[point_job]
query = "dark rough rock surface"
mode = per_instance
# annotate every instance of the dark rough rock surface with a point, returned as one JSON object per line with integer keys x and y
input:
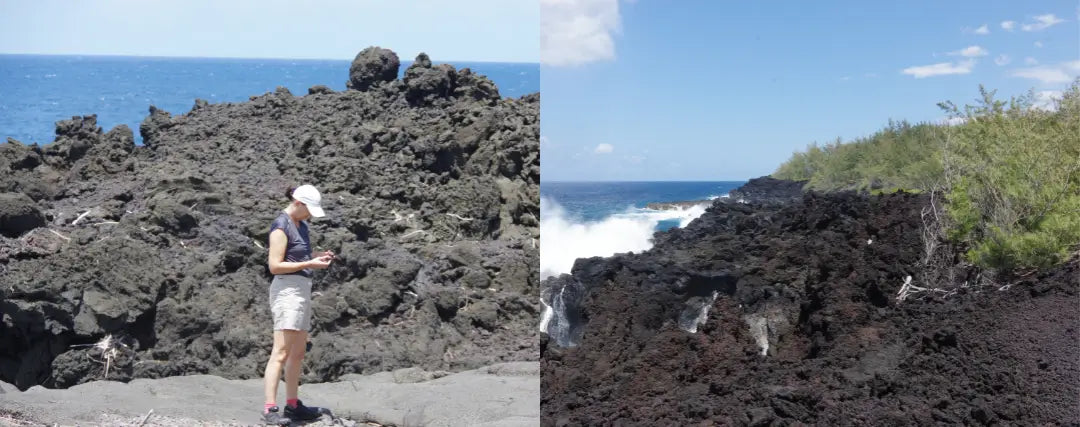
{"x": 431, "y": 207}
{"x": 18, "y": 214}
{"x": 372, "y": 66}
{"x": 816, "y": 280}
{"x": 768, "y": 189}
{"x": 320, "y": 89}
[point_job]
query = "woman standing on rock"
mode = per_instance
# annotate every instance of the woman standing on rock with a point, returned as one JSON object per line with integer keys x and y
{"x": 291, "y": 263}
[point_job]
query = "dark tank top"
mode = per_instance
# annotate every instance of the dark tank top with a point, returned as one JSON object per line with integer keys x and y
{"x": 298, "y": 247}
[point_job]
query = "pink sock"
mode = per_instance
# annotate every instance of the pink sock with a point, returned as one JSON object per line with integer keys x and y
{"x": 291, "y": 403}
{"x": 266, "y": 407}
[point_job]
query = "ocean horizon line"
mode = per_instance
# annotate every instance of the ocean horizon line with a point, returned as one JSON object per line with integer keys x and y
{"x": 251, "y": 58}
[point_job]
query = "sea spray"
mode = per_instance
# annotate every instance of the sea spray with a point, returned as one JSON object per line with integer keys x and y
{"x": 565, "y": 239}
{"x": 562, "y": 319}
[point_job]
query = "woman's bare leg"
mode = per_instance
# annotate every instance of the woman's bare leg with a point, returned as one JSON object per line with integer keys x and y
{"x": 278, "y": 356}
{"x": 297, "y": 342}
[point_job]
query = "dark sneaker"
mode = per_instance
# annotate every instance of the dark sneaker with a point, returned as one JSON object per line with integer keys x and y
{"x": 273, "y": 417}
{"x": 301, "y": 412}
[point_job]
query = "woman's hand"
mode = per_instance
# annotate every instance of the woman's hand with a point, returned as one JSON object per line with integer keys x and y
{"x": 321, "y": 263}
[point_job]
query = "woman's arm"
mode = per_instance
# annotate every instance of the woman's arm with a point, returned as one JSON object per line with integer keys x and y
{"x": 276, "y": 261}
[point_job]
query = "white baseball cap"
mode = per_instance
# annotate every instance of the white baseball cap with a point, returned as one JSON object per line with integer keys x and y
{"x": 309, "y": 196}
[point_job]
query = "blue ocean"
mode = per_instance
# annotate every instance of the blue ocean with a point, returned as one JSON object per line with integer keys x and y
{"x": 38, "y": 90}
{"x": 584, "y": 219}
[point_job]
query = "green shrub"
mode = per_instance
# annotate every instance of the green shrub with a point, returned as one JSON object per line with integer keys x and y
{"x": 901, "y": 155}
{"x": 1013, "y": 180}
{"x": 1010, "y": 174}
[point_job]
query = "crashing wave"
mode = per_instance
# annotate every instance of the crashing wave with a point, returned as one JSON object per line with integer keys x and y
{"x": 565, "y": 240}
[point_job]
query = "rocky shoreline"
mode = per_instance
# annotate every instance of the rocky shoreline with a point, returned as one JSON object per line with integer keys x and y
{"x": 120, "y": 261}
{"x": 807, "y": 308}
{"x": 764, "y": 189}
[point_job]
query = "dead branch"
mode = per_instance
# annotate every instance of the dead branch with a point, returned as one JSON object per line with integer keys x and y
{"x": 84, "y": 214}
{"x": 61, "y": 235}
{"x": 412, "y": 233}
{"x": 399, "y": 217}
{"x": 110, "y": 349}
{"x": 907, "y": 289}
{"x": 147, "y": 417}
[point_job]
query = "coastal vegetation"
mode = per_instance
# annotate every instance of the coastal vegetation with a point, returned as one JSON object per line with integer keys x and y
{"x": 1008, "y": 171}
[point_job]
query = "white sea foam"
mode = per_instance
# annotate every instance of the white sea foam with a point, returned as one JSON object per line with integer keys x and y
{"x": 564, "y": 239}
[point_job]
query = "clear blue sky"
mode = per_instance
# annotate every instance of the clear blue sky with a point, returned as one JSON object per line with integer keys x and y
{"x": 473, "y": 30}
{"x": 721, "y": 90}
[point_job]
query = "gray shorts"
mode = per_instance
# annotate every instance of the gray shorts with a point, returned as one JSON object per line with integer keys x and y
{"x": 290, "y": 302}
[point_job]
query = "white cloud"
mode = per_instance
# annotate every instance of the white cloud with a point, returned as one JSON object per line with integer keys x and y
{"x": 1031, "y": 61}
{"x": 1046, "y": 100}
{"x": 604, "y": 148}
{"x": 636, "y": 160}
{"x": 870, "y": 75}
{"x": 845, "y": 78}
{"x": 940, "y": 69}
{"x": 983, "y": 30}
{"x": 1049, "y": 74}
{"x": 576, "y": 32}
{"x": 1008, "y": 25}
{"x": 970, "y": 52}
{"x": 1042, "y": 22}
{"x": 1046, "y": 75}
{"x": 1002, "y": 59}
{"x": 1038, "y": 43}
